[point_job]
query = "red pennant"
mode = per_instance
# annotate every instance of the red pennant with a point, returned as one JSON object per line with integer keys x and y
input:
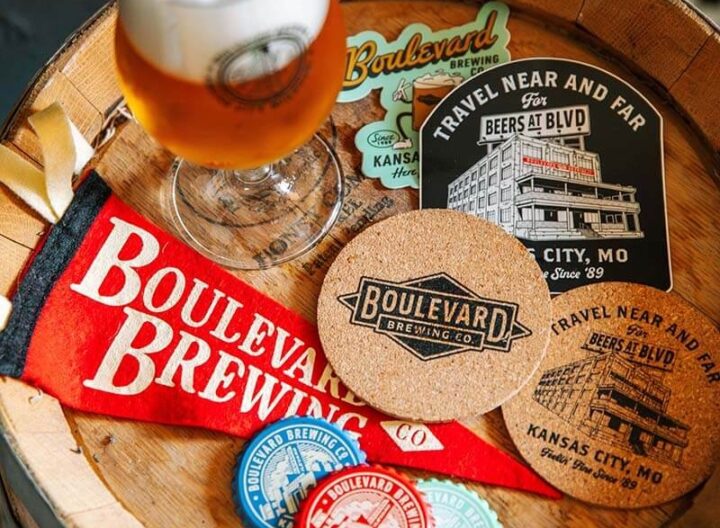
{"x": 114, "y": 316}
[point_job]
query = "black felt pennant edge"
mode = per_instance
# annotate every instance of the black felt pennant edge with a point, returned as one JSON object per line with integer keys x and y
{"x": 45, "y": 268}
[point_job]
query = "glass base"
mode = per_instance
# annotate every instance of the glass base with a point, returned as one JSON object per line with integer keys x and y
{"x": 258, "y": 218}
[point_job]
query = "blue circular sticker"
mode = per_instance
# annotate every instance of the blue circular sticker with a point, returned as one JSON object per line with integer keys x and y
{"x": 455, "y": 505}
{"x": 283, "y": 463}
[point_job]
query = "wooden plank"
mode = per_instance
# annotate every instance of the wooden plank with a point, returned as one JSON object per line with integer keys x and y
{"x": 68, "y": 480}
{"x": 565, "y": 10}
{"x": 17, "y": 221}
{"x": 50, "y": 453}
{"x": 705, "y": 510}
{"x": 111, "y": 515}
{"x": 59, "y": 89}
{"x": 91, "y": 69}
{"x": 27, "y": 410}
{"x": 13, "y": 259}
{"x": 660, "y": 37}
{"x": 698, "y": 93}
{"x": 694, "y": 229}
{"x": 197, "y": 492}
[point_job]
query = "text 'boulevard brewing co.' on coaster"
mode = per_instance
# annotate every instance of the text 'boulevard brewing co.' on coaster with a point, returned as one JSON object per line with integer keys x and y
{"x": 624, "y": 409}
{"x": 563, "y": 155}
{"x": 453, "y": 505}
{"x": 283, "y": 463}
{"x": 434, "y": 315}
{"x": 365, "y": 496}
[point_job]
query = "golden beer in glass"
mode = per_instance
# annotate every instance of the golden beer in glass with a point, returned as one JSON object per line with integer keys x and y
{"x": 237, "y": 89}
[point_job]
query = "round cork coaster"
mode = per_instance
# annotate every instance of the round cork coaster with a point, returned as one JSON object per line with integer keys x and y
{"x": 624, "y": 409}
{"x": 434, "y": 315}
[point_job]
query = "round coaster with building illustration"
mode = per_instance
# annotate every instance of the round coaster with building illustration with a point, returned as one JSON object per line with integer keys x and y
{"x": 624, "y": 410}
{"x": 434, "y": 315}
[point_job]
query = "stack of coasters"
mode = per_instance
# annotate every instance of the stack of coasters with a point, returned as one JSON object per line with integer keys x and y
{"x": 453, "y": 505}
{"x": 434, "y": 315}
{"x": 283, "y": 462}
{"x": 624, "y": 409}
{"x": 365, "y": 496}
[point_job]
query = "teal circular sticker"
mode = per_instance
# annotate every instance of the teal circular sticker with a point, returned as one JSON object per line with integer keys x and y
{"x": 455, "y": 505}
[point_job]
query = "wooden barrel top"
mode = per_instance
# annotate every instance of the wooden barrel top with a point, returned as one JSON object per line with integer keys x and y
{"x": 96, "y": 471}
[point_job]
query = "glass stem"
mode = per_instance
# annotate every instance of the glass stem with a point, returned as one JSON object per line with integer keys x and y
{"x": 250, "y": 176}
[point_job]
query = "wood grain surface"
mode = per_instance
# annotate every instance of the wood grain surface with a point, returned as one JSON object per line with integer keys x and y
{"x": 98, "y": 471}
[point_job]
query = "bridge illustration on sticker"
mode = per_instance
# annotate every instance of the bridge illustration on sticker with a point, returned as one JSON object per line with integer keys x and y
{"x": 435, "y": 316}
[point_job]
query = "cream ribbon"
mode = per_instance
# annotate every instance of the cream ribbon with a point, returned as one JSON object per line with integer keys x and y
{"x": 65, "y": 152}
{"x": 5, "y": 309}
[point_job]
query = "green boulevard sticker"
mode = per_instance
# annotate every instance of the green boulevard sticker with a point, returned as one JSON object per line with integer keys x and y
{"x": 414, "y": 73}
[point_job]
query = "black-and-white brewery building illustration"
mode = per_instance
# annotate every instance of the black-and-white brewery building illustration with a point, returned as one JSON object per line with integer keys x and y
{"x": 614, "y": 398}
{"x": 563, "y": 155}
{"x": 542, "y": 184}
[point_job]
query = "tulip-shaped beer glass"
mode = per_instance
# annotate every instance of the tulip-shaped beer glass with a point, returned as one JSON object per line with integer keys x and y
{"x": 236, "y": 89}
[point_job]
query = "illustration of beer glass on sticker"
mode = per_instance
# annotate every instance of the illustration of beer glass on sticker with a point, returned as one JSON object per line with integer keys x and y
{"x": 427, "y": 91}
{"x": 236, "y": 89}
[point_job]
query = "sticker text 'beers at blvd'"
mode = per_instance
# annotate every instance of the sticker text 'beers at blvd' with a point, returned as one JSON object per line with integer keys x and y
{"x": 536, "y": 79}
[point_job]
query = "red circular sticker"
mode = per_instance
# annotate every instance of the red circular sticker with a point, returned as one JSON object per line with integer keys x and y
{"x": 365, "y": 496}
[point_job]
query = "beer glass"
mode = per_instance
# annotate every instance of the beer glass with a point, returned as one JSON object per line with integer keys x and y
{"x": 236, "y": 89}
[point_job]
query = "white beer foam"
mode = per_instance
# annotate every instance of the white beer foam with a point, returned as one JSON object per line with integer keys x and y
{"x": 184, "y": 37}
{"x": 439, "y": 78}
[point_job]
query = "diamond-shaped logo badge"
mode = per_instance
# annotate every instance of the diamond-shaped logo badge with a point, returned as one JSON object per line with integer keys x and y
{"x": 435, "y": 316}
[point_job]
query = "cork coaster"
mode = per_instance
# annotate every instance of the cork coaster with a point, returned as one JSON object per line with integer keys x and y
{"x": 624, "y": 408}
{"x": 434, "y": 315}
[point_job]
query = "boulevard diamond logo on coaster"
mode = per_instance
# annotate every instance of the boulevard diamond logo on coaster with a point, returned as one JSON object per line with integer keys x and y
{"x": 563, "y": 155}
{"x": 434, "y": 315}
{"x": 454, "y": 505}
{"x": 283, "y": 462}
{"x": 624, "y": 410}
{"x": 366, "y": 496}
